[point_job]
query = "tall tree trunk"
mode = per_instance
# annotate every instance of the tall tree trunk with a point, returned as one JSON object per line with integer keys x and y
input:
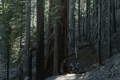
{"x": 78, "y": 37}
{"x": 56, "y": 37}
{"x": 113, "y": 15}
{"x": 104, "y": 30}
{"x": 79, "y": 16}
{"x": 28, "y": 35}
{"x": 71, "y": 27}
{"x": 50, "y": 38}
{"x": 56, "y": 52}
{"x": 60, "y": 30}
{"x": 88, "y": 20}
{"x": 40, "y": 41}
{"x": 99, "y": 30}
{"x": 63, "y": 41}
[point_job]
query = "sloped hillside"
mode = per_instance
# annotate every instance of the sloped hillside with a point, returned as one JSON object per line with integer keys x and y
{"x": 109, "y": 71}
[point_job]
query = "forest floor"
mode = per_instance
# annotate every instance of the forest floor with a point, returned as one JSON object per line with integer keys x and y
{"x": 110, "y": 70}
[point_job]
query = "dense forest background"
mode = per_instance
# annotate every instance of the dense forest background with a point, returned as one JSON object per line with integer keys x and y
{"x": 42, "y": 38}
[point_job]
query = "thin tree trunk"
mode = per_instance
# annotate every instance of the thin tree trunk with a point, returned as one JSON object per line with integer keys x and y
{"x": 99, "y": 30}
{"x": 79, "y": 16}
{"x": 28, "y": 35}
{"x": 88, "y": 20}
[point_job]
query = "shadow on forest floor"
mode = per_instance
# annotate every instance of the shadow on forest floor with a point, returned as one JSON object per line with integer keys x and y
{"x": 109, "y": 71}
